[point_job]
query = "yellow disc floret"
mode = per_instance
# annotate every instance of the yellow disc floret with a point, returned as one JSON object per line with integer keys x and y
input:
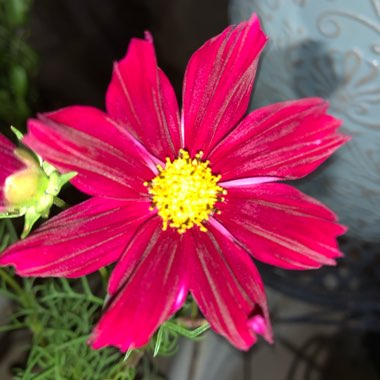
{"x": 185, "y": 192}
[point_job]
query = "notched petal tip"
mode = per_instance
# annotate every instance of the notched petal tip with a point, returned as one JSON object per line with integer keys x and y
{"x": 259, "y": 321}
{"x": 254, "y": 25}
{"x": 344, "y": 138}
{"x": 96, "y": 343}
{"x": 4, "y": 260}
{"x": 148, "y": 36}
{"x": 260, "y": 326}
{"x": 141, "y": 99}
{"x": 254, "y": 21}
{"x": 334, "y": 122}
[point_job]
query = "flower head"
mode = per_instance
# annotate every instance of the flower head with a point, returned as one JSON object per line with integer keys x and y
{"x": 182, "y": 203}
{"x": 185, "y": 192}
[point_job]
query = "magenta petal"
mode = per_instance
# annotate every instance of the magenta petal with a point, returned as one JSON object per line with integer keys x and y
{"x": 150, "y": 282}
{"x": 9, "y": 163}
{"x": 281, "y": 226}
{"x": 85, "y": 140}
{"x": 141, "y": 98}
{"x": 287, "y": 140}
{"x": 78, "y": 241}
{"x": 218, "y": 84}
{"x": 227, "y": 287}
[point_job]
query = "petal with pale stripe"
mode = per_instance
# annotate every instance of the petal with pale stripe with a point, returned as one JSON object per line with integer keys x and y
{"x": 79, "y": 240}
{"x": 141, "y": 98}
{"x": 84, "y": 139}
{"x": 149, "y": 284}
{"x": 218, "y": 84}
{"x": 285, "y": 140}
{"x": 281, "y": 226}
{"x": 227, "y": 287}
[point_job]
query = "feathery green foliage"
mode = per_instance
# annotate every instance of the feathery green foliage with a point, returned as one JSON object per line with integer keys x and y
{"x": 60, "y": 314}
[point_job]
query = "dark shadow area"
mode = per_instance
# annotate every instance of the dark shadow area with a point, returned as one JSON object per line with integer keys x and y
{"x": 78, "y": 41}
{"x": 308, "y": 60}
{"x": 306, "y": 69}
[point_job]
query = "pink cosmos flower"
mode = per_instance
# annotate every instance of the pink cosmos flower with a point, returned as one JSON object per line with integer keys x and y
{"x": 181, "y": 204}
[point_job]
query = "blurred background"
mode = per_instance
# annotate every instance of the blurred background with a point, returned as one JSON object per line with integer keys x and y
{"x": 326, "y": 322}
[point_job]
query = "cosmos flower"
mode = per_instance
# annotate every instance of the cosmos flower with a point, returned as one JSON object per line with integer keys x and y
{"x": 184, "y": 203}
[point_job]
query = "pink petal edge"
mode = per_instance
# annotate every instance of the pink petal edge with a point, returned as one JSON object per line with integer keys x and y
{"x": 9, "y": 164}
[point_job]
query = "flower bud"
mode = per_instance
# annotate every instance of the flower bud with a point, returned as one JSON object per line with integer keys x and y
{"x": 28, "y": 186}
{"x": 25, "y": 187}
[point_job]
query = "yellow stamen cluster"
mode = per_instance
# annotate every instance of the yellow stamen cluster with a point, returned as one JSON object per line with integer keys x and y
{"x": 185, "y": 192}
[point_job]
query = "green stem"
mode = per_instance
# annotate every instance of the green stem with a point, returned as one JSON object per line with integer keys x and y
{"x": 12, "y": 283}
{"x": 192, "y": 334}
{"x": 11, "y": 230}
{"x": 104, "y": 275}
{"x": 80, "y": 339}
{"x": 12, "y": 327}
{"x": 60, "y": 203}
{"x": 194, "y": 310}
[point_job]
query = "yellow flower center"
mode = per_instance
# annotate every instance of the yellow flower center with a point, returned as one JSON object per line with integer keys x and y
{"x": 185, "y": 192}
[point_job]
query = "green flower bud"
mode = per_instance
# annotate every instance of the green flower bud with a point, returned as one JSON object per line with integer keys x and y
{"x": 32, "y": 190}
{"x": 25, "y": 187}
